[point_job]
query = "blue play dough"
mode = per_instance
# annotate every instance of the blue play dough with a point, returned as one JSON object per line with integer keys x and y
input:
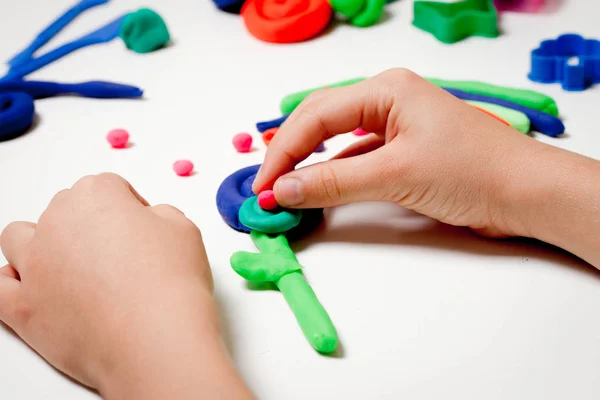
{"x": 276, "y": 123}
{"x": 16, "y": 114}
{"x": 540, "y": 121}
{"x": 550, "y": 62}
{"x": 230, "y": 6}
{"x": 237, "y": 188}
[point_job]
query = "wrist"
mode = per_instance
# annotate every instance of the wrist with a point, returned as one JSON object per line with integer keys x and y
{"x": 177, "y": 353}
{"x": 554, "y": 197}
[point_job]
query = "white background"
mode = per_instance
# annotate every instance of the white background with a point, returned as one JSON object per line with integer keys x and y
{"x": 424, "y": 311}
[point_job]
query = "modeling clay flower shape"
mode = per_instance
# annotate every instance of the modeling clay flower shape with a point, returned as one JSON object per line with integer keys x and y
{"x": 276, "y": 261}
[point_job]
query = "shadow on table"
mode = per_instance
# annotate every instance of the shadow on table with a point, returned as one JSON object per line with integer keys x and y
{"x": 393, "y": 225}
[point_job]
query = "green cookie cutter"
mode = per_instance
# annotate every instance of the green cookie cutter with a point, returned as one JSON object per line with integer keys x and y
{"x": 453, "y": 22}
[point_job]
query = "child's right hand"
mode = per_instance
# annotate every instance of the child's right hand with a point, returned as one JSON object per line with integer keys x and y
{"x": 436, "y": 155}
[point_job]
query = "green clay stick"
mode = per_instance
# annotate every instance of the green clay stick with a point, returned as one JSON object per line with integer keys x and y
{"x": 516, "y": 119}
{"x": 527, "y": 98}
{"x": 291, "y": 101}
{"x": 280, "y": 265}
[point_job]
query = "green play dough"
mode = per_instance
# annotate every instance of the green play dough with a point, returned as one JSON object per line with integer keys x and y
{"x": 310, "y": 314}
{"x": 291, "y": 101}
{"x": 254, "y": 217}
{"x": 262, "y": 267}
{"x": 361, "y": 13}
{"x": 348, "y": 8}
{"x": 516, "y": 119}
{"x": 370, "y": 15}
{"x": 144, "y": 31}
{"x": 527, "y": 98}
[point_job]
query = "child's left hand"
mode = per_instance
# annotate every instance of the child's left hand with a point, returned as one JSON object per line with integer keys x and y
{"x": 117, "y": 294}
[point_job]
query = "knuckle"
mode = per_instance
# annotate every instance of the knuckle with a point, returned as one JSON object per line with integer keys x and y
{"x": 96, "y": 182}
{"x": 399, "y": 77}
{"x": 329, "y": 184}
{"x": 314, "y": 96}
{"x": 21, "y": 311}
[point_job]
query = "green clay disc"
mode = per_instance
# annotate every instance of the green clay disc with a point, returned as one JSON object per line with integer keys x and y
{"x": 516, "y": 119}
{"x": 254, "y": 217}
{"x": 144, "y": 31}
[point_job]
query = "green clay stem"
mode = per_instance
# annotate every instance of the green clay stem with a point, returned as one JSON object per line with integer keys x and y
{"x": 516, "y": 119}
{"x": 262, "y": 267}
{"x": 291, "y": 101}
{"x": 277, "y": 244}
{"x": 310, "y": 314}
{"x": 527, "y": 98}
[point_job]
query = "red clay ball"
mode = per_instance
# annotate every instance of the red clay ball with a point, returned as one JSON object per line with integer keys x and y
{"x": 266, "y": 200}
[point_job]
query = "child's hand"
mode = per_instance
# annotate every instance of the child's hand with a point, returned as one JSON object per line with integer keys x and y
{"x": 436, "y": 155}
{"x": 116, "y": 294}
{"x": 430, "y": 152}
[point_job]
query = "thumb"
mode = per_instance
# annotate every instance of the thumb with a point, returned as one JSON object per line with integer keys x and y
{"x": 368, "y": 177}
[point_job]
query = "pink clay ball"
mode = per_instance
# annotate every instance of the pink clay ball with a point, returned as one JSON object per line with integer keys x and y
{"x": 242, "y": 142}
{"x": 183, "y": 167}
{"x": 118, "y": 138}
{"x": 266, "y": 200}
{"x": 360, "y": 132}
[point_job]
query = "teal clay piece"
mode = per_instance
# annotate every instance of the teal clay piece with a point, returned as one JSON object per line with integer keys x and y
{"x": 526, "y": 98}
{"x": 144, "y": 31}
{"x": 291, "y": 101}
{"x": 453, "y": 22}
{"x": 516, "y": 119}
{"x": 361, "y": 13}
{"x": 276, "y": 221}
{"x": 279, "y": 263}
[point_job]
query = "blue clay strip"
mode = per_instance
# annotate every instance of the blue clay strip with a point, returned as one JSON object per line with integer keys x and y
{"x": 540, "y": 121}
{"x": 16, "y": 114}
{"x": 276, "y": 123}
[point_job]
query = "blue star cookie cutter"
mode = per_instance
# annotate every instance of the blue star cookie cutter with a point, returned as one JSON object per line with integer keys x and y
{"x": 569, "y": 59}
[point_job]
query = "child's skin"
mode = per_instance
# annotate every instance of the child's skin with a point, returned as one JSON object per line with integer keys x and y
{"x": 118, "y": 294}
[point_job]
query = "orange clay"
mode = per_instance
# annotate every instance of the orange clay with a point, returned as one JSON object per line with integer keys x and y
{"x": 491, "y": 114}
{"x": 268, "y": 135}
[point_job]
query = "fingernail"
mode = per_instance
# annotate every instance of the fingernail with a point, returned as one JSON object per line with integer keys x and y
{"x": 289, "y": 192}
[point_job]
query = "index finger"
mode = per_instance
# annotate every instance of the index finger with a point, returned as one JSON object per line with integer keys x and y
{"x": 322, "y": 115}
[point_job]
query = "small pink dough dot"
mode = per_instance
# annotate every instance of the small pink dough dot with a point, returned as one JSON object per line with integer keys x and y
{"x": 183, "y": 167}
{"x": 266, "y": 200}
{"x": 360, "y": 132}
{"x": 118, "y": 138}
{"x": 242, "y": 142}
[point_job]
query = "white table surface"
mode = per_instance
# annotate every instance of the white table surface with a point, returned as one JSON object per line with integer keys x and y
{"x": 424, "y": 311}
